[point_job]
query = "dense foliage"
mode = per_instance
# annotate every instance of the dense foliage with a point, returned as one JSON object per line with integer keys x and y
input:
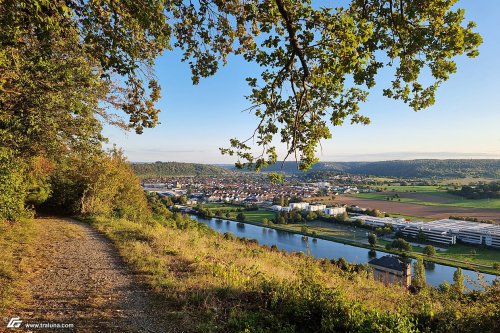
{"x": 167, "y": 169}
{"x": 104, "y": 185}
{"x": 12, "y": 186}
{"x": 479, "y": 191}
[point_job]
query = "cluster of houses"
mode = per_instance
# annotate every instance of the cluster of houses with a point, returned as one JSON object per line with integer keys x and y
{"x": 305, "y": 206}
{"x": 244, "y": 188}
{"x": 445, "y": 231}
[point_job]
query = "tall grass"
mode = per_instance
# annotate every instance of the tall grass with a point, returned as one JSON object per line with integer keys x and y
{"x": 217, "y": 282}
{"x": 16, "y": 244}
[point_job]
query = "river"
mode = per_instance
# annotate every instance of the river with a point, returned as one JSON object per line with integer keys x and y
{"x": 289, "y": 241}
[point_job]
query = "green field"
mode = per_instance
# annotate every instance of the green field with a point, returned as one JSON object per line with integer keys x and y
{"x": 255, "y": 216}
{"x": 411, "y": 217}
{"x": 433, "y": 198}
{"x": 470, "y": 253}
{"x": 418, "y": 189}
{"x": 220, "y": 206}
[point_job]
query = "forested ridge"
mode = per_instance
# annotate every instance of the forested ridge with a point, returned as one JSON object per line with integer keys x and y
{"x": 165, "y": 169}
{"x": 422, "y": 168}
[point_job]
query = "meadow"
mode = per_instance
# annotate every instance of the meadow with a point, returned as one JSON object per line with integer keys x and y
{"x": 429, "y": 196}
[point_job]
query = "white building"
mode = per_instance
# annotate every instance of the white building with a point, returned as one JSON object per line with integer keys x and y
{"x": 432, "y": 234}
{"x": 381, "y": 221}
{"x": 333, "y": 211}
{"x": 298, "y": 205}
{"x": 447, "y": 231}
{"x": 470, "y": 232}
{"x": 315, "y": 208}
{"x": 276, "y": 208}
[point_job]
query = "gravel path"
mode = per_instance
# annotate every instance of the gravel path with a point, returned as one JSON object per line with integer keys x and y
{"x": 80, "y": 279}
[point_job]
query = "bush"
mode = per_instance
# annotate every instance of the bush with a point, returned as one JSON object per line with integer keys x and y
{"x": 103, "y": 185}
{"x": 429, "y": 250}
{"x": 13, "y": 189}
{"x": 401, "y": 245}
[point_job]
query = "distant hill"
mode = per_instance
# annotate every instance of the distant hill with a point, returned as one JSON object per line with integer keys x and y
{"x": 423, "y": 168}
{"x": 168, "y": 169}
{"x": 453, "y": 168}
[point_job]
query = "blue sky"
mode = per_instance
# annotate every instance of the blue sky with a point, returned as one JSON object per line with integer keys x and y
{"x": 464, "y": 122}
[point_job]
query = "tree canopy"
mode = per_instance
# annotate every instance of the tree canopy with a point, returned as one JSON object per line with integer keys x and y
{"x": 67, "y": 65}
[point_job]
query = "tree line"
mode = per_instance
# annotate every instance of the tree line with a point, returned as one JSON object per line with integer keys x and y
{"x": 160, "y": 169}
{"x": 478, "y": 191}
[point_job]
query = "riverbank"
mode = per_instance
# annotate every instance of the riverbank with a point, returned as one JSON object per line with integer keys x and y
{"x": 215, "y": 283}
{"x": 482, "y": 268}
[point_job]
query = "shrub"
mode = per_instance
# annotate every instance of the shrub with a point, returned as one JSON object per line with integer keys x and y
{"x": 401, "y": 245}
{"x": 13, "y": 189}
{"x": 102, "y": 185}
{"x": 429, "y": 250}
{"x": 241, "y": 217}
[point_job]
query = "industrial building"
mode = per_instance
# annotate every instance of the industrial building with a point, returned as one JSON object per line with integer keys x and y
{"x": 298, "y": 205}
{"x": 381, "y": 221}
{"x": 470, "y": 232}
{"x": 445, "y": 231}
{"x": 433, "y": 234}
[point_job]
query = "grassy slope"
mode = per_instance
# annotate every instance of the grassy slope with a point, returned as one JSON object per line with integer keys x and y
{"x": 16, "y": 243}
{"x": 215, "y": 284}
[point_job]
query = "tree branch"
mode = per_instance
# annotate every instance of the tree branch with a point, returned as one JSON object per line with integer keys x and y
{"x": 294, "y": 43}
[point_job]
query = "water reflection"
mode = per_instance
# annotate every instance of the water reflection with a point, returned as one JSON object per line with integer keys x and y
{"x": 429, "y": 265}
{"x": 372, "y": 254}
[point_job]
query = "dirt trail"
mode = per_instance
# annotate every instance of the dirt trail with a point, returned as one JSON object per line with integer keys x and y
{"x": 80, "y": 279}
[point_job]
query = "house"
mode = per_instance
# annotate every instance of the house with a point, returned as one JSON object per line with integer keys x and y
{"x": 391, "y": 270}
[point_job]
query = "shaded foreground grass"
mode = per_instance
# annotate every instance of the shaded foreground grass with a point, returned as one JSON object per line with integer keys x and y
{"x": 214, "y": 282}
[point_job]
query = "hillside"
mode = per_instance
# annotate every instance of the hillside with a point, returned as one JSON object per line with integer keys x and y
{"x": 168, "y": 169}
{"x": 424, "y": 168}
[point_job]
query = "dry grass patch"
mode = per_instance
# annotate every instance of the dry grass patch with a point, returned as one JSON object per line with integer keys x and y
{"x": 16, "y": 246}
